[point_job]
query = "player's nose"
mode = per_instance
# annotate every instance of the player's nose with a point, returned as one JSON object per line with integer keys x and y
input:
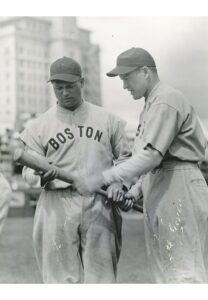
{"x": 65, "y": 92}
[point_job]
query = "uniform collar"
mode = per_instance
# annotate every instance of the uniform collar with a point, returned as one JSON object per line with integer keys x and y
{"x": 64, "y": 110}
{"x": 150, "y": 98}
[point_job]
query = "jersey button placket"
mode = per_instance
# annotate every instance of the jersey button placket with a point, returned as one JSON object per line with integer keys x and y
{"x": 75, "y": 120}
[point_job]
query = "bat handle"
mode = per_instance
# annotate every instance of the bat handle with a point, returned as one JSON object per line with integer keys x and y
{"x": 136, "y": 207}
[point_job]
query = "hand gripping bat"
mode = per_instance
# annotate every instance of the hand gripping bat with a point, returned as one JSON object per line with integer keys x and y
{"x": 41, "y": 164}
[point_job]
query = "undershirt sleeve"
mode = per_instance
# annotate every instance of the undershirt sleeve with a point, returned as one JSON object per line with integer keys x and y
{"x": 139, "y": 164}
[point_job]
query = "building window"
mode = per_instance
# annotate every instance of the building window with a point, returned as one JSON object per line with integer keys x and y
{"x": 20, "y": 50}
{"x": 21, "y": 63}
{"x": 21, "y": 75}
{"x": 21, "y": 87}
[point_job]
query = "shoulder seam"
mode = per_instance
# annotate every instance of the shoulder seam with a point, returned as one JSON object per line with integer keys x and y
{"x": 163, "y": 103}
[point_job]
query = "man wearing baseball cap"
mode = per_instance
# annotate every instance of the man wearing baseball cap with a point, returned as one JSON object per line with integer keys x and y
{"x": 131, "y": 60}
{"x": 169, "y": 144}
{"x": 75, "y": 237}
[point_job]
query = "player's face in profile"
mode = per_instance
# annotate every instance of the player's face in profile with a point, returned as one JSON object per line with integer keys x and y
{"x": 135, "y": 82}
{"x": 68, "y": 94}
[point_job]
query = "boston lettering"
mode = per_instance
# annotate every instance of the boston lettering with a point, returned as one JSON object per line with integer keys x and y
{"x": 82, "y": 131}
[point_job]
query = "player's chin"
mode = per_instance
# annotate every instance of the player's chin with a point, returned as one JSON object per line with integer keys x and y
{"x": 68, "y": 105}
{"x": 136, "y": 98}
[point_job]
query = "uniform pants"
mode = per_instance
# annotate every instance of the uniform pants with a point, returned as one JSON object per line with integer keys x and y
{"x": 74, "y": 238}
{"x": 176, "y": 223}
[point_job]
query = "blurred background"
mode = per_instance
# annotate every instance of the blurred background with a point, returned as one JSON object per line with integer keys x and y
{"x": 28, "y": 45}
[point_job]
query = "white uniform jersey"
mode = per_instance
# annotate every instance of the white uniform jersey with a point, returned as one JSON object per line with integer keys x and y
{"x": 88, "y": 139}
{"x": 169, "y": 123}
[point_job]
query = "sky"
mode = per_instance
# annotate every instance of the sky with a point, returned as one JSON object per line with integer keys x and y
{"x": 178, "y": 44}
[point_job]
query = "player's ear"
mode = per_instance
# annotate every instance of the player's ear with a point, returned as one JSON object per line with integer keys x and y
{"x": 146, "y": 71}
{"x": 82, "y": 82}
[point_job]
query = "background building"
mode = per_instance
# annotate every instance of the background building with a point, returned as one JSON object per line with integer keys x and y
{"x": 27, "y": 47}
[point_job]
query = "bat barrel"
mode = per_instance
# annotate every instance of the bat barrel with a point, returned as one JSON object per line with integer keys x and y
{"x": 17, "y": 154}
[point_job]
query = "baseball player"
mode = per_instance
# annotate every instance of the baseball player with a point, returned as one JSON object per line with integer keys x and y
{"x": 169, "y": 144}
{"x": 4, "y": 200}
{"x": 74, "y": 236}
{"x": 204, "y": 165}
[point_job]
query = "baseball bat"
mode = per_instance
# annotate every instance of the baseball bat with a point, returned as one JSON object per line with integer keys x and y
{"x": 41, "y": 164}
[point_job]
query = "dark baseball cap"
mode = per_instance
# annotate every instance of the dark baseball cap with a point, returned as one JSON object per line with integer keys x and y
{"x": 65, "y": 69}
{"x": 130, "y": 60}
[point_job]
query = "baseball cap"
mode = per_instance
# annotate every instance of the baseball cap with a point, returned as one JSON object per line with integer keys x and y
{"x": 130, "y": 60}
{"x": 65, "y": 69}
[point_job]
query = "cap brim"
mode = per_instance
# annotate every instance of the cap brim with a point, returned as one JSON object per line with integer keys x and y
{"x": 64, "y": 77}
{"x": 121, "y": 70}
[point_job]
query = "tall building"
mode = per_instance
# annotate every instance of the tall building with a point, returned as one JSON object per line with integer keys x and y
{"x": 27, "y": 47}
{"x": 67, "y": 39}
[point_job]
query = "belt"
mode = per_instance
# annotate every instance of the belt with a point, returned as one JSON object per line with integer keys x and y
{"x": 175, "y": 162}
{"x": 70, "y": 188}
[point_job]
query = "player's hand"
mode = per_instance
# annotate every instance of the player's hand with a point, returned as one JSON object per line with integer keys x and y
{"x": 128, "y": 202}
{"x": 136, "y": 191}
{"x": 115, "y": 192}
{"x": 46, "y": 176}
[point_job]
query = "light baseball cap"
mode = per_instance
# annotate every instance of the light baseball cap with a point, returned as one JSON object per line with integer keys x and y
{"x": 130, "y": 60}
{"x": 65, "y": 69}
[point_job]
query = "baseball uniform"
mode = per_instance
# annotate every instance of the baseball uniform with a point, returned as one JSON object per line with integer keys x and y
{"x": 66, "y": 223}
{"x": 175, "y": 192}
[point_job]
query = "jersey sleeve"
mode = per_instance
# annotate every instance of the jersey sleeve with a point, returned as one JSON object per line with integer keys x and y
{"x": 119, "y": 142}
{"x": 32, "y": 139}
{"x": 162, "y": 125}
{"x": 120, "y": 147}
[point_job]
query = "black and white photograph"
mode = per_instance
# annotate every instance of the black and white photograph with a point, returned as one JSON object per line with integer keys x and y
{"x": 103, "y": 149}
